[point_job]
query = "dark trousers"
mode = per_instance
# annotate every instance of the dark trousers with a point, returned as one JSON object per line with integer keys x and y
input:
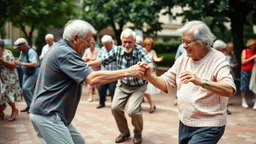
{"x": 200, "y": 135}
{"x": 103, "y": 91}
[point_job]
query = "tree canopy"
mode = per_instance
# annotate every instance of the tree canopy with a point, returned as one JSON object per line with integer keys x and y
{"x": 9, "y": 8}
{"x": 142, "y": 15}
{"x": 43, "y": 14}
{"x": 216, "y": 12}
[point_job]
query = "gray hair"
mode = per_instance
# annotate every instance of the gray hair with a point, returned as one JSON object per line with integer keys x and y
{"x": 139, "y": 39}
{"x": 128, "y": 32}
{"x": 219, "y": 44}
{"x": 2, "y": 44}
{"x": 49, "y": 36}
{"x": 78, "y": 27}
{"x": 106, "y": 38}
{"x": 200, "y": 31}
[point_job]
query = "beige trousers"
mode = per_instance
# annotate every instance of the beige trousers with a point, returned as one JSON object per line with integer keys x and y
{"x": 131, "y": 97}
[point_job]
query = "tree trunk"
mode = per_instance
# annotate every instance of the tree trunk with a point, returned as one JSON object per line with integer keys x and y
{"x": 237, "y": 27}
{"x": 238, "y": 17}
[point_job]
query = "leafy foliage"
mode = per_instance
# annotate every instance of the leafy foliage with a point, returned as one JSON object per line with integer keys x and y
{"x": 40, "y": 13}
{"x": 219, "y": 12}
{"x": 139, "y": 14}
{"x": 9, "y": 8}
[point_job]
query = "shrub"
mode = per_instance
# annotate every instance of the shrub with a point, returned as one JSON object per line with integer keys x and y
{"x": 166, "y": 47}
{"x": 167, "y": 61}
{"x": 14, "y": 51}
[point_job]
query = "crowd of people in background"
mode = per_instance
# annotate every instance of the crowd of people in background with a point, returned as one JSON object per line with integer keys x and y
{"x": 203, "y": 69}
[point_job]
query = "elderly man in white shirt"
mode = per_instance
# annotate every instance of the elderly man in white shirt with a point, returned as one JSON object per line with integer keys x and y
{"x": 49, "y": 39}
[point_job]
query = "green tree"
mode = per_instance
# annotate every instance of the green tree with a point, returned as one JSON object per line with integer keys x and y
{"x": 37, "y": 14}
{"x": 141, "y": 15}
{"x": 234, "y": 11}
{"x": 9, "y": 8}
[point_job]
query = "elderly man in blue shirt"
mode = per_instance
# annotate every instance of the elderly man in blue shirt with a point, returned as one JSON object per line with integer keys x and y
{"x": 29, "y": 63}
{"x": 129, "y": 88}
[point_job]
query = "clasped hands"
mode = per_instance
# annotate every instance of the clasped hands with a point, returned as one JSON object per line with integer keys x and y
{"x": 144, "y": 70}
{"x": 141, "y": 70}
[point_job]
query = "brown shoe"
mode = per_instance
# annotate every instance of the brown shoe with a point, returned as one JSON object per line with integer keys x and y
{"x": 121, "y": 138}
{"x": 137, "y": 139}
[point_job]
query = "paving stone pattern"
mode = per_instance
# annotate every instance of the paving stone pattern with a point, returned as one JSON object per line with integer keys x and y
{"x": 161, "y": 127}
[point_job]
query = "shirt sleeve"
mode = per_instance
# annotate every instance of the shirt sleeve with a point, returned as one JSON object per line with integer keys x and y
{"x": 222, "y": 74}
{"x": 43, "y": 51}
{"x": 32, "y": 57}
{"x": 170, "y": 78}
{"x": 73, "y": 66}
{"x": 109, "y": 58}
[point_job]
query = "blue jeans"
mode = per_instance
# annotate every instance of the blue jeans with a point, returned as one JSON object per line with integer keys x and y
{"x": 51, "y": 129}
{"x": 103, "y": 91}
{"x": 200, "y": 135}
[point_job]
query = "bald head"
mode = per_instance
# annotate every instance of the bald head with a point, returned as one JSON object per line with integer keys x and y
{"x": 49, "y": 39}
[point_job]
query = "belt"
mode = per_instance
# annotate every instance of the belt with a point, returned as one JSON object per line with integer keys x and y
{"x": 133, "y": 85}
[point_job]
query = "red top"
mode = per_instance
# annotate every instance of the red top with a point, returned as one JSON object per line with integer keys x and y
{"x": 248, "y": 67}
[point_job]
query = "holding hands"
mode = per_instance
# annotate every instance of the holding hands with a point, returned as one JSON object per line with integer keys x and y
{"x": 148, "y": 69}
{"x": 136, "y": 71}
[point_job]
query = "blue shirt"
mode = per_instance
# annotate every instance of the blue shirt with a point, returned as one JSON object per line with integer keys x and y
{"x": 30, "y": 56}
{"x": 59, "y": 85}
{"x": 118, "y": 55}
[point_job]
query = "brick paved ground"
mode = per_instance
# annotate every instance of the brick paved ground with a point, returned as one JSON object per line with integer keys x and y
{"x": 98, "y": 126}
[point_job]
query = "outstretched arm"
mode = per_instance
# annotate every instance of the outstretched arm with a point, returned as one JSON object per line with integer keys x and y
{"x": 153, "y": 79}
{"x": 95, "y": 62}
{"x": 157, "y": 59}
{"x": 102, "y": 77}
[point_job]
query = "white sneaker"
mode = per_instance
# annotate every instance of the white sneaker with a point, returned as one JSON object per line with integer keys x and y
{"x": 244, "y": 104}
{"x": 254, "y": 106}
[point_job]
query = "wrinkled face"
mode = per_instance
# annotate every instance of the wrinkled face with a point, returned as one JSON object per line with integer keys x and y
{"x": 192, "y": 46}
{"x": 21, "y": 48}
{"x": 82, "y": 43}
{"x": 128, "y": 43}
{"x": 108, "y": 45}
{"x": 49, "y": 41}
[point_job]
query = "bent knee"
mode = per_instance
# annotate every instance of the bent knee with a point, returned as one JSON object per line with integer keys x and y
{"x": 133, "y": 112}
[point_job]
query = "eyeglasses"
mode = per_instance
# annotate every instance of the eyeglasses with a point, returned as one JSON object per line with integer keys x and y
{"x": 88, "y": 41}
{"x": 187, "y": 42}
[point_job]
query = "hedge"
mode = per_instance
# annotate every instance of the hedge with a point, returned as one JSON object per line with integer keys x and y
{"x": 167, "y": 61}
{"x": 14, "y": 51}
{"x": 166, "y": 47}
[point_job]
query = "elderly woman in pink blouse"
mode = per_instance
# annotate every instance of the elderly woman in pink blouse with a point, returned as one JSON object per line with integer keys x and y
{"x": 204, "y": 84}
